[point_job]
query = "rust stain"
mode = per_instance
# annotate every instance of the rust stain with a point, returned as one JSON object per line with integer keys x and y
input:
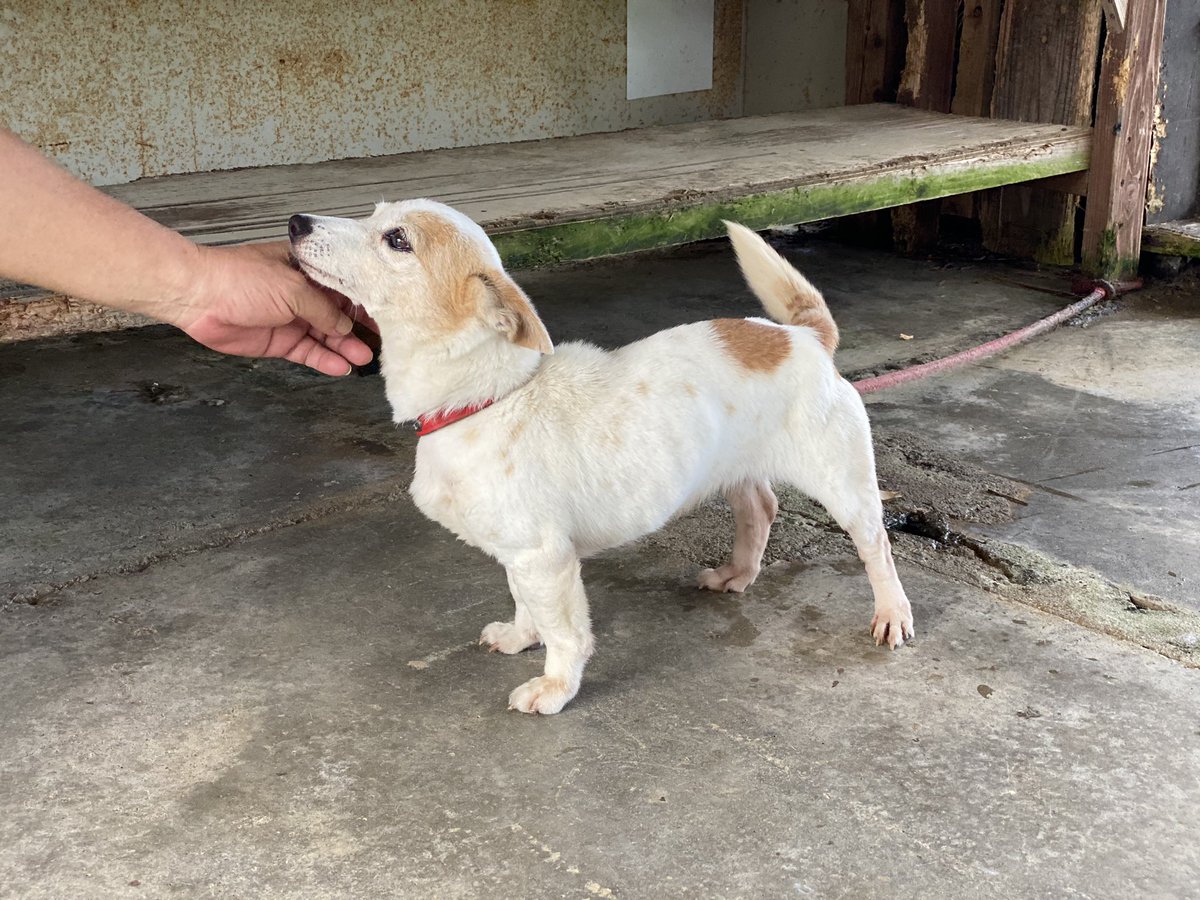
{"x": 754, "y": 346}
{"x": 304, "y": 83}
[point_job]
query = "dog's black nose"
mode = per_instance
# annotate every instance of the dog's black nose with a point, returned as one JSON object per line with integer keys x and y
{"x": 299, "y": 226}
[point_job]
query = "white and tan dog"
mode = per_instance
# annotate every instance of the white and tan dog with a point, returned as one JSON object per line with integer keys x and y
{"x": 542, "y": 460}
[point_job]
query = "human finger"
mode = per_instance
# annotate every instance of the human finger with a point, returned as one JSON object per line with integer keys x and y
{"x": 310, "y": 352}
{"x": 319, "y": 310}
{"x": 350, "y": 347}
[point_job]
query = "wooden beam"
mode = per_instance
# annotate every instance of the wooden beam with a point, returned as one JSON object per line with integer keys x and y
{"x": 1075, "y": 183}
{"x": 874, "y": 50}
{"x": 1045, "y": 72}
{"x": 1116, "y": 207}
{"x": 927, "y": 83}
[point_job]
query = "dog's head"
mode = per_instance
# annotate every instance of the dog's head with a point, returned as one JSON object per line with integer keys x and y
{"x": 422, "y": 269}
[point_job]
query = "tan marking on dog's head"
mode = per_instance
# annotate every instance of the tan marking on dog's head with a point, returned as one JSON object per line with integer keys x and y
{"x": 515, "y": 431}
{"x": 690, "y": 390}
{"x": 755, "y": 346}
{"x": 509, "y": 469}
{"x": 450, "y": 259}
{"x": 423, "y": 267}
{"x": 643, "y": 388}
{"x": 730, "y": 409}
{"x": 472, "y": 285}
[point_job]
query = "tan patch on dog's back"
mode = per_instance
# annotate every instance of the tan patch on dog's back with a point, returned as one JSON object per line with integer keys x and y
{"x": 754, "y": 346}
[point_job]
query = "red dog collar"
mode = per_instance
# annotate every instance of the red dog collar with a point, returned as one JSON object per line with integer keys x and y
{"x": 431, "y": 423}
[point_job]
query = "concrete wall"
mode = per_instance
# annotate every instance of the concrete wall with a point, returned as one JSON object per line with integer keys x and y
{"x": 1175, "y": 176}
{"x": 795, "y": 55}
{"x": 121, "y": 89}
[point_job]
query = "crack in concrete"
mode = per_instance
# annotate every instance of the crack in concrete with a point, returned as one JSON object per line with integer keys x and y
{"x": 1076, "y": 594}
{"x": 386, "y": 491}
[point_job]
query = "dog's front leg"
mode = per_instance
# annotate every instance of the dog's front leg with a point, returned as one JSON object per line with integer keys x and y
{"x": 548, "y": 584}
{"x": 514, "y": 636}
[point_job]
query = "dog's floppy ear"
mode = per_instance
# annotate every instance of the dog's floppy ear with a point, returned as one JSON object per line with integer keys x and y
{"x": 510, "y": 312}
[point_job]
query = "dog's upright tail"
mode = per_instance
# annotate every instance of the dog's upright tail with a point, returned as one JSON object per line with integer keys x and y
{"x": 787, "y": 296}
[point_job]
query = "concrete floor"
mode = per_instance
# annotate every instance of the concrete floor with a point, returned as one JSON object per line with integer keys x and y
{"x": 238, "y": 663}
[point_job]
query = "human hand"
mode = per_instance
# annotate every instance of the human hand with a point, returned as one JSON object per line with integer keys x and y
{"x": 250, "y": 301}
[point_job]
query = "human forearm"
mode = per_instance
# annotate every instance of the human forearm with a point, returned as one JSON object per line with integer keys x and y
{"x": 64, "y": 235}
{"x": 59, "y": 233}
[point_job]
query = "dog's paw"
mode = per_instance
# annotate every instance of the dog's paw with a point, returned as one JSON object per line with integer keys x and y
{"x": 726, "y": 579}
{"x": 892, "y": 624}
{"x": 505, "y": 637}
{"x": 544, "y": 695}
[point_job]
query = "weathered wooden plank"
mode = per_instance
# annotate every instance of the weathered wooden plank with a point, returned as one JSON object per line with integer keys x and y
{"x": 975, "y": 76}
{"x": 1116, "y": 207}
{"x": 977, "y": 58}
{"x": 1177, "y": 238}
{"x": 1045, "y": 72}
{"x": 875, "y": 43}
{"x": 812, "y": 202}
{"x": 604, "y": 194}
{"x": 509, "y": 187}
{"x": 48, "y": 316}
{"x": 928, "y": 76}
{"x": 874, "y": 50}
{"x": 926, "y": 83}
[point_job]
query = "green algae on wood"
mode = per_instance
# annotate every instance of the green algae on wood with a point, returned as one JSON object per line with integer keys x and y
{"x": 699, "y": 220}
{"x": 1106, "y": 262}
{"x": 1180, "y": 238}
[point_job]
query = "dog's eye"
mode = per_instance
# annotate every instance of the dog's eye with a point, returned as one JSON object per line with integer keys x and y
{"x": 397, "y": 240}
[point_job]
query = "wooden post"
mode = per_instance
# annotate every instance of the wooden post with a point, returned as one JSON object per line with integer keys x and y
{"x": 1045, "y": 72}
{"x": 928, "y": 76}
{"x": 1120, "y": 170}
{"x": 977, "y": 58}
{"x": 875, "y": 41}
{"x": 874, "y": 50}
{"x": 975, "y": 76}
{"x": 927, "y": 83}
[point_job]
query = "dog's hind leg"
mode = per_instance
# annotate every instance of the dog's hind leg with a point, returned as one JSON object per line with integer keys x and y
{"x": 548, "y": 583}
{"x": 754, "y": 508}
{"x": 514, "y": 636}
{"x": 842, "y": 479}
